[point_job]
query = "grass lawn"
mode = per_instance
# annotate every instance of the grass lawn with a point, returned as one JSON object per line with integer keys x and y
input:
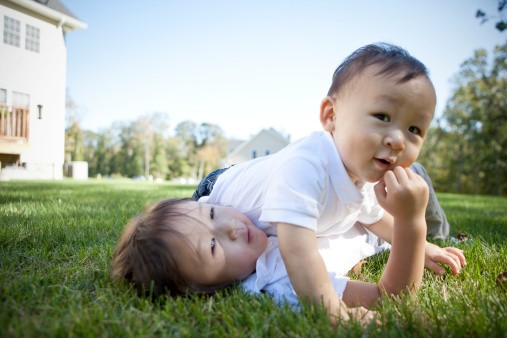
{"x": 56, "y": 240}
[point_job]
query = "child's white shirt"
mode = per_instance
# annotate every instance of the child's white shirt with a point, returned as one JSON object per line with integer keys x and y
{"x": 304, "y": 184}
{"x": 339, "y": 252}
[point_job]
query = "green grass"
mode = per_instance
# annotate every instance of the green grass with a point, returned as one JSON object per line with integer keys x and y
{"x": 56, "y": 240}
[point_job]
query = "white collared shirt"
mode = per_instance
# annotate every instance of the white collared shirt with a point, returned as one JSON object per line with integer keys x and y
{"x": 304, "y": 184}
{"x": 339, "y": 252}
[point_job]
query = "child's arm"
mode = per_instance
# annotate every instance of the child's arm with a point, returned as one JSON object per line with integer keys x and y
{"x": 434, "y": 255}
{"x": 308, "y": 273}
{"x": 406, "y": 200}
{"x": 404, "y": 195}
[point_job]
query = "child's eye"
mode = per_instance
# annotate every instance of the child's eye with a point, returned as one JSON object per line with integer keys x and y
{"x": 414, "y": 130}
{"x": 212, "y": 213}
{"x": 382, "y": 117}
{"x": 213, "y": 244}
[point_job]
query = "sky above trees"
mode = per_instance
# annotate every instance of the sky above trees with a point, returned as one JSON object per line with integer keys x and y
{"x": 248, "y": 65}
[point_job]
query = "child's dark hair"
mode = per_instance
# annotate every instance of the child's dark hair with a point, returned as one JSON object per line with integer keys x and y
{"x": 391, "y": 60}
{"x": 144, "y": 257}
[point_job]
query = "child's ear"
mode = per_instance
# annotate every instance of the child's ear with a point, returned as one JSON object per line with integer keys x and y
{"x": 327, "y": 114}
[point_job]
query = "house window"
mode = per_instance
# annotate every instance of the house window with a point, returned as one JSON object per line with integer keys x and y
{"x": 267, "y": 152}
{"x": 254, "y": 154}
{"x": 3, "y": 97}
{"x": 32, "y": 38}
{"x": 20, "y": 100}
{"x": 11, "y": 31}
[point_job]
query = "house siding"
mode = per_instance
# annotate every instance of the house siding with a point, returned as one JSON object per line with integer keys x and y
{"x": 264, "y": 143}
{"x": 42, "y": 75}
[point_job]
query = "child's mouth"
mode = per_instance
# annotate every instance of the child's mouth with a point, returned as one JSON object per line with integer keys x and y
{"x": 248, "y": 234}
{"x": 383, "y": 163}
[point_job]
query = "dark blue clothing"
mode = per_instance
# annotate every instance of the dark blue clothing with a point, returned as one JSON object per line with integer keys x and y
{"x": 206, "y": 185}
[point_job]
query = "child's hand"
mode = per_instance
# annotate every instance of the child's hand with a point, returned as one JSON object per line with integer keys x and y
{"x": 364, "y": 316}
{"x": 402, "y": 193}
{"x": 451, "y": 256}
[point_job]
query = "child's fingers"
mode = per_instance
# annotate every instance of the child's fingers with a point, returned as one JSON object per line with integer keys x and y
{"x": 458, "y": 253}
{"x": 435, "y": 267}
{"x": 454, "y": 258}
{"x": 363, "y": 315}
{"x": 380, "y": 190}
{"x": 452, "y": 261}
{"x": 410, "y": 173}
{"x": 401, "y": 175}
{"x": 390, "y": 179}
{"x": 406, "y": 177}
{"x": 455, "y": 264}
{"x": 413, "y": 177}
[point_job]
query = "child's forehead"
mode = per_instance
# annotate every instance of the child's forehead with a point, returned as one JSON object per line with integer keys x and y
{"x": 190, "y": 208}
{"x": 195, "y": 213}
{"x": 378, "y": 71}
{"x": 375, "y": 72}
{"x": 189, "y": 205}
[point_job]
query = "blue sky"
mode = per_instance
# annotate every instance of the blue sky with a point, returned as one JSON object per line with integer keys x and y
{"x": 247, "y": 65}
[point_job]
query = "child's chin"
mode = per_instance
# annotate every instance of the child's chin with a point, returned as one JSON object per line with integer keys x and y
{"x": 245, "y": 275}
{"x": 374, "y": 178}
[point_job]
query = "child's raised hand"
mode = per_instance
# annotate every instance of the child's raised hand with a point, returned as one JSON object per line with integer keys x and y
{"x": 402, "y": 193}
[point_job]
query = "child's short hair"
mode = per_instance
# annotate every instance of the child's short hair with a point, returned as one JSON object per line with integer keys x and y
{"x": 391, "y": 59}
{"x": 144, "y": 256}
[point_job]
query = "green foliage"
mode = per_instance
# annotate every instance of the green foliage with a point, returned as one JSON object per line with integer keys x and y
{"x": 501, "y": 19}
{"x": 56, "y": 240}
{"x": 144, "y": 147}
{"x": 467, "y": 151}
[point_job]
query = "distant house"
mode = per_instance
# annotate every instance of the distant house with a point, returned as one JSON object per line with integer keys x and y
{"x": 267, "y": 141}
{"x": 33, "y": 60}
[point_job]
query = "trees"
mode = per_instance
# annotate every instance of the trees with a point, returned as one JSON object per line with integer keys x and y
{"x": 501, "y": 24}
{"x": 470, "y": 141}
{"x": 204, "y": 144}
{"x": 73, "y": 132}
{"x": 144, "y": 147}
{"x": 211, "y": 149}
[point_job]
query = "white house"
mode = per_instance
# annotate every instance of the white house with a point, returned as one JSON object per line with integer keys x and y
{"x": 267, "y": 141}
{"x": 33, "y": 61}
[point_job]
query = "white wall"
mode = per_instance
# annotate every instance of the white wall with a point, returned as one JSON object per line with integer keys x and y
{"x": 261, "y": 143}
{"x": 43, "y": 76}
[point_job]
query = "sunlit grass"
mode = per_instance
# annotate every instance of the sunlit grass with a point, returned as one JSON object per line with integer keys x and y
{"x": 56, "y": 240}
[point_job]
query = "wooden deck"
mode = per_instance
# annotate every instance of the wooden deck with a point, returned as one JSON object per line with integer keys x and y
{"x": 14, "y": 124}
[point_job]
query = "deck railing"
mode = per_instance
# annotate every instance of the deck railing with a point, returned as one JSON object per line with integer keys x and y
{"x": 14, "y": 124}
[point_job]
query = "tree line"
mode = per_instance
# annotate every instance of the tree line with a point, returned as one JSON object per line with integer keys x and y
{"x": 144, "y": 147}
{"x": 465, "y": 150}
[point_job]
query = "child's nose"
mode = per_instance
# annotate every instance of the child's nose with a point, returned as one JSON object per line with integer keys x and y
{"x": 395, "y": 140}
{"x": 228, "y": 230}
{"x": 232, "y": 233}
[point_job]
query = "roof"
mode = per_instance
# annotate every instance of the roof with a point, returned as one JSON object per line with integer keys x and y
{"x": 57, "y": 6}
{"x": 52, "y": 9}
{"x": 275, "y": 134}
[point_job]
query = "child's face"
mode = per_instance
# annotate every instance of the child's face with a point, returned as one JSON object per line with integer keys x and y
{"x": 377, "y": 123}
{"x": 224, "y": 245}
